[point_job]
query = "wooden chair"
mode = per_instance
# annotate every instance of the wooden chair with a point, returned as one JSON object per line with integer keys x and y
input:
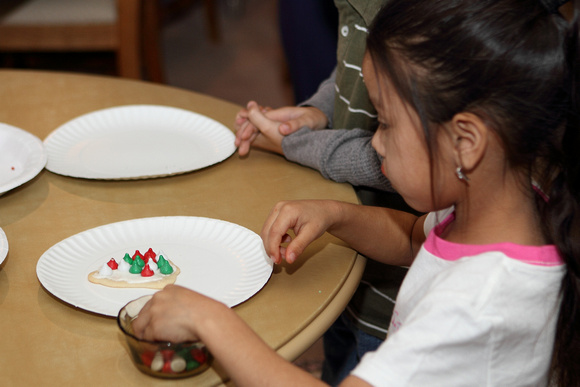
{"x": 125, "y": 27}
{"x": 567, "y": 10}
{"x": 172, "y": 9}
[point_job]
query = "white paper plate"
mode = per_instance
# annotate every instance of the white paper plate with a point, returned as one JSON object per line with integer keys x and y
{"x": 137, "y": 141}
{"x": 22, "y": 157}
{"x": 222, "y": 260}
{"x": 3, "y": 246}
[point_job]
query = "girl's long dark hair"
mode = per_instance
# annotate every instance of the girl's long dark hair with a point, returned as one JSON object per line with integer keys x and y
{"x": 514, "y": 63}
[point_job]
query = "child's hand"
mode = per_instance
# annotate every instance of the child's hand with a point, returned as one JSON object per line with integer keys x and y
{"x": 172, "y": 313}
{"x": 269, "y": 137}
{"x": 292, "y": 118}
{"x": 246, "y": 131}
{"x": 309, "y": 219}
{"x": 273, "y": 124}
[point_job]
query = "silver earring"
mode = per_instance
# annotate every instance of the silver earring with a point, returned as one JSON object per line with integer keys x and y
{"x": 460, "y": 174}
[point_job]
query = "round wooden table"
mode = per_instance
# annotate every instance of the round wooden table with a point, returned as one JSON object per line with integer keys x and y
{"x": 46, "y": 341}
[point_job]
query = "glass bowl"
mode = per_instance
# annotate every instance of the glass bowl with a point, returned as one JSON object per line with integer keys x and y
{"x": 161, "y": 359}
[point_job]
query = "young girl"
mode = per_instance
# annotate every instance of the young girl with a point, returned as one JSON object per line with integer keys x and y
{"x": 479, "y": 127}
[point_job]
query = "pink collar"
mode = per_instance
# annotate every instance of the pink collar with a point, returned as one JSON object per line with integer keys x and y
{"x": 546, "y": 255}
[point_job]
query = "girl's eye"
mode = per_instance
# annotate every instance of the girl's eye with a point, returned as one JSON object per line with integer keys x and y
{"x": 383, "y": 125}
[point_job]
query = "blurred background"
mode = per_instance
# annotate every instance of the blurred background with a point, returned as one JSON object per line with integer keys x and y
{"x": 231, "y": 49}
{"x": 273, "y": 51}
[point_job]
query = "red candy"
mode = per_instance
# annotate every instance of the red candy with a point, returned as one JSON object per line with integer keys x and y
{"x": 147, "y": 272}
{"x": 167, "y": 361}
{"x": 147, "y": 358}
{"x": 198, "y": 355}
{"x": 167, "y": 368}
{"x": 137, "y": 253}
{"x": 167, "y": 354}
{"x": 150, "y": 254}
{"x": 113, "y": 264}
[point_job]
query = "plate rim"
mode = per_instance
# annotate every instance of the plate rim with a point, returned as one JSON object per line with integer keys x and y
{"x": 35, "y": 166}
{"x": 4, "y": 246}
{"x": 64, "y": 128}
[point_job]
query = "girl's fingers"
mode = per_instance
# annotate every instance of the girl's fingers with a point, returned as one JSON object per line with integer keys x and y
{"x": 301, "y": 241}
{"x": 271, "y": 235}
{"x": 275, "y": 233}
{"x": 283, "y": 254}
{"x": 142, "y": 321}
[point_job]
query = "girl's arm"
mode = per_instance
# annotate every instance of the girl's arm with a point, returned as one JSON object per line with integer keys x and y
{"x": 382, "y": 234}
{"x": 179, "y": 314}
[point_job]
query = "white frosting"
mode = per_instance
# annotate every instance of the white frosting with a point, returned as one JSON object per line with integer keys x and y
{"x": 153, "y": 266}
{"x": 122, "y": 273}
{"x": 124, "y": 266}
{"x": 105, "y": 270}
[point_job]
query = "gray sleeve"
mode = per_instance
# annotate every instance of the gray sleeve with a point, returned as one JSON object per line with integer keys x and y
{"x": 342, "y": 155}
{"x": 323, "y": 99}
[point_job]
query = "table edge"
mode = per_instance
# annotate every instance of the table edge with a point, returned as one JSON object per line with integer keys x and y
{"x": 314, "y": 330}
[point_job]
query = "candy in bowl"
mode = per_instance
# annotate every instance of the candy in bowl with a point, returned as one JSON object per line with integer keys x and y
{"x": 162, "y": 359}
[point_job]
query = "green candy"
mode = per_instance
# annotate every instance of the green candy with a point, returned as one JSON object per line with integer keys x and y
{"x": 139, "y": 261}
{"x": 185, "y": 354}
{"x": 166, "y": 268}
{"x": 127, "y": 258}
{"x": 161, "y": 261}
{"x": 135, "y": 268}
{"x": 191, "y": 365}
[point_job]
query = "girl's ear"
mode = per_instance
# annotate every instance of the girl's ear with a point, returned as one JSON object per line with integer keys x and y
{"x": 470, "y": 137}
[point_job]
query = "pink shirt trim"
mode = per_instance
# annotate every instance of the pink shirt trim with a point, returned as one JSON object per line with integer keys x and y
{"x": 546, "y": 255}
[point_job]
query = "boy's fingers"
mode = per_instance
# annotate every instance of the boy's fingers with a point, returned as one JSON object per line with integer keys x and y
{"x": 290, "y": 127}
{"x": 247, "y": 133}
{"x": 245, "y": 145}
{"x": 259, "y": 120}
{"x": 243, "y": 148}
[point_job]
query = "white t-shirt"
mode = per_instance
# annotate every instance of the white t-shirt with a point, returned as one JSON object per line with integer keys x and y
{"x": 471, "y": 315}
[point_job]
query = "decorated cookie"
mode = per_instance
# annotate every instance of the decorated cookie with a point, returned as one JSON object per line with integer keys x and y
{"x": 148, "y": 270}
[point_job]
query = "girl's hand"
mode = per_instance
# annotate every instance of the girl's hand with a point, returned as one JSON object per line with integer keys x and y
{"x": 309, "y": 219}
{"x": 173, "y": 314}
{"x": 178, "y": 314}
